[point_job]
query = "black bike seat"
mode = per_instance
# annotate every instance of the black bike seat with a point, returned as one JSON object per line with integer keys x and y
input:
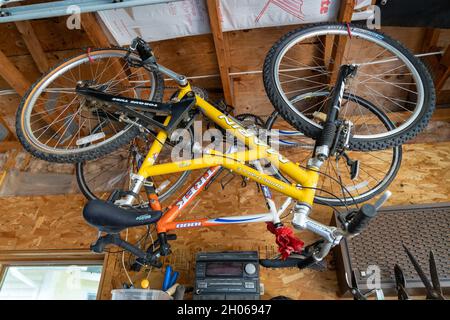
{"x": 110, "y": 218}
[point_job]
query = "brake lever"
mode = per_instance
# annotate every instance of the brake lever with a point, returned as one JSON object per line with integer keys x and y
{"x": 382, "y": 200}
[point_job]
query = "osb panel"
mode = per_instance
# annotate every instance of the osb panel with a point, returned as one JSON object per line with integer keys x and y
{"x": 192, "y": 56}
{"x": 250, "y": 95}
{"x": 55, "y": 222}
{"x": 423, "y": 165}
{"x": 51, "y": 222}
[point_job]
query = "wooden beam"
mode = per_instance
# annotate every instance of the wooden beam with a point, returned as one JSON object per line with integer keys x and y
{"x": 430, "y": 39}
{"x": 56, "y": 256}
{"x": 339, "y": 43}
{"x": 11, "y": 135}
{"x": 33, "y": 45}
{"x": 444, "y": 70}
{"x": 13, "y": 76}
{"x": 346, "y": 10}
{"x": 99, "y": 39}
{"x": 429, "y": 44}
{"x": 19, "y": 83}
{"x": 106, "y": 280}
{"x": 9, "y": 145}
{"x": 222, "y": 49}
{"x": 94, "y": 30}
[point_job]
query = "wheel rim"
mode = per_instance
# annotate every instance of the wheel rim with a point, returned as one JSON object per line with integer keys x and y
{"x": 59, "y": 72}
{"x": 365, "y": 35}
{"x": 380, "y": 185}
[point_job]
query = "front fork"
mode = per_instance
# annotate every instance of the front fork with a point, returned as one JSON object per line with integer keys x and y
{"x": 301, "y": 219}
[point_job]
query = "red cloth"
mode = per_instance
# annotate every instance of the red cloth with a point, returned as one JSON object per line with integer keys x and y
{"x": 287, "y": 242}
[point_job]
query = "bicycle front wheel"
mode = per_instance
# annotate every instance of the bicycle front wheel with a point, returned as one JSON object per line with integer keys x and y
{"x": 388, "y": 76}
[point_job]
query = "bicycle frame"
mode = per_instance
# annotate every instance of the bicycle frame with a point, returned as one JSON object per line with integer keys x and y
{"x": 302, "y": 190}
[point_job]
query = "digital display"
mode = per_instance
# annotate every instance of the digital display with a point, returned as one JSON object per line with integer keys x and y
{"x": 224, "y": 269}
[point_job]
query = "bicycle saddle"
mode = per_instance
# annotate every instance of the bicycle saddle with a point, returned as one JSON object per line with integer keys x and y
{"x": 107, "y": 217}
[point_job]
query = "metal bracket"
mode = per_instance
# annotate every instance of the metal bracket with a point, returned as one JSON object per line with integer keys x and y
{"x": 65, "y": 7}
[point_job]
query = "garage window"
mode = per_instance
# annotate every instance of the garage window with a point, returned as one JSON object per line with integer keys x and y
{"x": 53, "y": 282}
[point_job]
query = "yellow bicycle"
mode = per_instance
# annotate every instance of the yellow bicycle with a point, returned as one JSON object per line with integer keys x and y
{"x": 93, "y": 104}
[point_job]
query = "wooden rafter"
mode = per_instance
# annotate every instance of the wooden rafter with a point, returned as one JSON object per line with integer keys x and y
{"x": 430, "y": 39}
{"x": 20, "y": 84}
{"x": 339, "y": 43}
{"x": 94, "y": 30}
{"x": 99, "y": 39}
{"x": 9, "y": 145}
{"x": 346, "y": 10}
{"x": 222, "y": 50}
{"x": 13, "y": 76}
{"x": 443, "y": 73}
{"x": 439, "y": 65}
{"x": 33, "y": 45}
{"x": 429, "y": 44}
{"x": 7, "y": 127}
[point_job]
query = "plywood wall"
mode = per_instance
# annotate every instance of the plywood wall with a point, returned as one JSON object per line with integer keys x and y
{"x": 55, "y": 222}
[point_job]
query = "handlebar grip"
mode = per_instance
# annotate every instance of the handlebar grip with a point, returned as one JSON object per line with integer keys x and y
{"x": 327, "y": 136}
{"x": 361, "y": 219}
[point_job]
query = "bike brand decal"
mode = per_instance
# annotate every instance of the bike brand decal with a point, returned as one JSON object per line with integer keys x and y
{"x": 256, "y": 141}
{"x": 188, "y": 225}
{"x": 259, "y": 178}
{"x": 138, "y": 102}
{"x": 144, "y": 217}
{"x": 195, "y": 189}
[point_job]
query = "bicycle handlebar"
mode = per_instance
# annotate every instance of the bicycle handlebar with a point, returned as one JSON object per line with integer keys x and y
{"x": 361, "y": 219}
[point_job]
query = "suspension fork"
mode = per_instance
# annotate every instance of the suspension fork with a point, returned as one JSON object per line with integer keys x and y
{"x": 328, "y": 134}
{"x": 301, "y": 220}
{"x": 139, "y": 179}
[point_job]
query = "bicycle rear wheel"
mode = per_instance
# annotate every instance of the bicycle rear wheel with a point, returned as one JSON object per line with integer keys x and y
{"x": 377, "y": 169}
{"x": 56, "y": 124}
{"x": 388, "y": 76}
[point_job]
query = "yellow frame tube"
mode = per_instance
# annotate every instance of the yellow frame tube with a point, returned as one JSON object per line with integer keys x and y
{"x": 235, "y": 161}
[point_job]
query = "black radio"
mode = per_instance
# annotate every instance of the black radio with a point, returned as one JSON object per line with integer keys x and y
{"x": 227, "y": 275}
